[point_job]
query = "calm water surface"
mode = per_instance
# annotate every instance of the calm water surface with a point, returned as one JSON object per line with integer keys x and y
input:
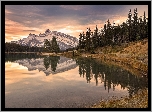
{"x": 33, "y": 81}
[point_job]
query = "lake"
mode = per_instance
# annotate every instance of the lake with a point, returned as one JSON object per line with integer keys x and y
{"x": 34, "y": 81}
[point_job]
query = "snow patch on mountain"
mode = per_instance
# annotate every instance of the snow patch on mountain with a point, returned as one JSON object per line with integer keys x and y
{"x": 64, "y": 41}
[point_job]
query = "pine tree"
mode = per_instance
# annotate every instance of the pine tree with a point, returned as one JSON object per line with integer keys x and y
{"x": 80, "y": 41}
{"x": 51, "y": 46}
{"x": 108, "y": 33}
{"x": 145, "y": 27}
{"x": 96, "y": 43}
{"x": 55, "y": 46}
{"x": 47, "y": 45}
{"x": 135, "y": 26}
{"x": 134, "y": 29}
{"x": 130, "y": 25}
{"x": 88, "y": 40}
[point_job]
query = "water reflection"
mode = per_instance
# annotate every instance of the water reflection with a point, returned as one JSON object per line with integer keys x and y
{"x": 47, "y": 64}
{"x": 19, "y": 56}
{"x": 51, "y": 60}
{"x": 111, "y": 76}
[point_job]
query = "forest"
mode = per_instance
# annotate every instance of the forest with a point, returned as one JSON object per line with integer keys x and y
{"x": 135, "y": 28}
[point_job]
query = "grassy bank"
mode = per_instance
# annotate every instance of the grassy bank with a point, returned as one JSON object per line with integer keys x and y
{"x": 132, "y": 56}
{"x": 139, "y": 100}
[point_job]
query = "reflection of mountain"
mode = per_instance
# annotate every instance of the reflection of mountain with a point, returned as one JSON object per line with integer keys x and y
{"x": 111, "y": 76}
{"x": 49, "y": 64}
{"x": 19, "y": 56}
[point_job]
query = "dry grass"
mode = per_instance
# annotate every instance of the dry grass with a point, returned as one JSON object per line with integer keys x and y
{"x": 133, "y": 54}
{"x": 132, "y": 57}
{"x": 139, "y": 100}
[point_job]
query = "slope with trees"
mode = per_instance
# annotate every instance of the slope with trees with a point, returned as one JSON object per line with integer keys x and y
{"x": 135, "y": 28}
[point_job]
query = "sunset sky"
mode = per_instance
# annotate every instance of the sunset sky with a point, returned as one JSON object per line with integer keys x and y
{"x": 20, "y": 20}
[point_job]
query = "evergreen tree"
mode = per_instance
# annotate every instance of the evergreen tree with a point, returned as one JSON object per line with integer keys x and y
{"x": 145, "y": 26}
{"x": 95, "y": 38}
{"x": 135, "y": 26}
{"x": 80, "y": 41}
{"x": 108, "y": 33}
{"x": 83, "y": 40}
{"x": 88, "y": 40}
{"x": 55, "y": 46}
{"x": 47, "y": 45}
{"x": 51, "y": 46}
{"x": 134, "y": 29}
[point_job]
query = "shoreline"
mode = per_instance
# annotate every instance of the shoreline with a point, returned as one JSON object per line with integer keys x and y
{"x": 133, "y": 57}
{"x": 21, "y": 52}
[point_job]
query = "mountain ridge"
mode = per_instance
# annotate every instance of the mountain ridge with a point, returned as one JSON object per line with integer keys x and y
{"x": 64, "y": 41}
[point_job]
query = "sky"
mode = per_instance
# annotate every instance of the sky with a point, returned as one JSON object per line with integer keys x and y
{"x": 21, "y": 20}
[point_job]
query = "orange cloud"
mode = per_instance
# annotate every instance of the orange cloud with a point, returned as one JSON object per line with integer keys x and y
{"x": 15, "y": 30}
{"x": 8, "y": 12}
{"x": 72, "y": 25}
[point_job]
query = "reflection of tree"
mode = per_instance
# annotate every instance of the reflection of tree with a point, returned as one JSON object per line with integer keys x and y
{"x": 19, "y": 56}
{"x": 88, "y": 71}
{"x": 54, "y": 60}
{"x": 95, "y": 70}
{"x": 111, "y": 75}
{"x": 46, "y": 62}
{"x": 51, "y": 60}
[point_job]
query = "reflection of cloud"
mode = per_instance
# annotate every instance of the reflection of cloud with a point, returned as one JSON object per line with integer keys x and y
{"x": 7, "y": 92}
{"x": 70, "y": 75}
{"x": 15, "y": 73}
{"x": 26, "y": 82}
{"x": 118, "y": 87}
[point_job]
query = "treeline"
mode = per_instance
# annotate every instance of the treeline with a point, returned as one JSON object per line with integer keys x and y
{"x": 13, "y": 47}
{"x": 135, "y": 28}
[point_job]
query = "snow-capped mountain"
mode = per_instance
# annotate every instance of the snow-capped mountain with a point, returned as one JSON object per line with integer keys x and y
{"x": 64, "y": 64}
{"x": 64, "y": 41}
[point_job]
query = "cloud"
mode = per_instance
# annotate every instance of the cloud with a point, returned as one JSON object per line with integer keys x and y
{"x": 15, "y": 30}
{"x": 8, "y": 12}
{"x": 20, "y": 20}
{"x": 29, "y": 30}
{"x": 72, "y": 7}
